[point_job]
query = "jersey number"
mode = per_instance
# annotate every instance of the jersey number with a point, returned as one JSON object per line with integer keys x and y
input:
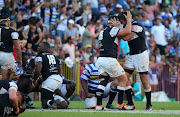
{"x": 52, "y": 59}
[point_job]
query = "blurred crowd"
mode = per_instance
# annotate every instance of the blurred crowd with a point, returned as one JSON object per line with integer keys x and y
{"x": 71, "y": 27}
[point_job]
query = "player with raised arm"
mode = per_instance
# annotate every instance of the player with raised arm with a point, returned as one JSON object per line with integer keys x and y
{"x": 137, "y": 60}
{"x": 107, "y": 63}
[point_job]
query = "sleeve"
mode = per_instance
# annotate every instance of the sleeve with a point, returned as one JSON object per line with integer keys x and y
{"x": 114, "y": 31}
{"x": 13, "y": 85}
{"x": 64, "y": 79}
{"x": 38, "y": 59}
{"x": 14, "y": 35}
{"x": 85, "y": 75}
{"x": 137, "y": 28}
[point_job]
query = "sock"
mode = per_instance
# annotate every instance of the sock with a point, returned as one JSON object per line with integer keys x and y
{"x": 148, "y": 96}
{"x": 120, "y": 94}
{"x": 49, "y": 103}
{"x": 112, "y": 96}
{"x": 99, "y": 95}
{"x": 128, "y": 92}
{"x": 101, "y": 88}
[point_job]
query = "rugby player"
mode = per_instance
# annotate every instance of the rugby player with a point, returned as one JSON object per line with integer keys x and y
{"x": 137, "y": 60}
{"x": 90, "y": 75}
{"x": 107, "y": 63}
{"x": 49, "y": 66}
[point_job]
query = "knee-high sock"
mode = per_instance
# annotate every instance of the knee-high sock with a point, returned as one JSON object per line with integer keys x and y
{"x": 120, "y": 94}
{"x": 112, "y": 95}
{"x": 128, "y": 92}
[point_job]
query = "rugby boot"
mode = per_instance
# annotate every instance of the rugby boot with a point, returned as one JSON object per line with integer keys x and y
{"x": 110, "y": 106}
{"x": 99, "y": 107}
{"x": 149, "y": 107}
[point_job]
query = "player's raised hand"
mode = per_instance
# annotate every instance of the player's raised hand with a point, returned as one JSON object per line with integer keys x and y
{"x": 115, "y": 22}
{"x": 128, "y": 16}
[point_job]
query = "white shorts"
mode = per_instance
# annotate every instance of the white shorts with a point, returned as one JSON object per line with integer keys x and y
{"x": 7, "y": 61}
{"x": 52, "y": 83}
{"x": 138, "y": 62}
{"x": 91, "y": 102}
{"x": 109, "y": 65}
{"x": 63, "y": 89}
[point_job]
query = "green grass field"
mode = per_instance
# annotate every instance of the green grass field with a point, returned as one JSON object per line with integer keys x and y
{"x": 164, "y": 108}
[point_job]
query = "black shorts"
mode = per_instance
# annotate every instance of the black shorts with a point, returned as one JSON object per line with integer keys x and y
{"x": 46, "y": 94}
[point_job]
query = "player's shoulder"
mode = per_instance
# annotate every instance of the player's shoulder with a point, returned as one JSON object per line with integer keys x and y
{"x": 9, "y": 29}
{"x": 136, "y": 23}
{"x": 137, "y": 27}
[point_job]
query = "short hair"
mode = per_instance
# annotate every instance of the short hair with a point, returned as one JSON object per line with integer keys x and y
{"x": 3, "y": 16}
{"x": 147, "y": 2}
{"x": 25, "y": 83}
{"x": 67, "y": 55}
{"x": 69, "y": 8}
{"x": 32, "y": 21}
{"x": 112, "y": 17}
{"x": 108, "y": 5}
{"x": 121, "y": 15}
{"x": 46, "y": 44}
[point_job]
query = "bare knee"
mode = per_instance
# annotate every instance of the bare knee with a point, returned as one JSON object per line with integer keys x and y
{"x": 114, "y": 84}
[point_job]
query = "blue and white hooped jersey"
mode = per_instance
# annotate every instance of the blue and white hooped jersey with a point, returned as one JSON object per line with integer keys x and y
{"x": 18, "y": 72}
{"x": 90, "y": 74}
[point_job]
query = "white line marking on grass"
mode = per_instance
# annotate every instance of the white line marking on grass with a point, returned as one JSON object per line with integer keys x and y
{"x": 108, "y": 111}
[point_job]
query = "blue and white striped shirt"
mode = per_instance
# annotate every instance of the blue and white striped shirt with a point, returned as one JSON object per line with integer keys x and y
{"x": 90, "y": 74}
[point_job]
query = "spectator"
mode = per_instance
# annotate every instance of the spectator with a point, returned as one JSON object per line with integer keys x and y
{"x": 165, "y": 15}
{"x": 174, "y": 28}
{"x": 110, "y": 10}
{"x": 149, "y": 9}
{"x": 71, "y": 31}
{"x": 33, "y": 35}
{"x": 54, "y": 14}
{"x": 133, "y": 10}
{"x": 94, "y": 6}
{"x": 80, "y": 24}
{"x": 124, "y": 48}
{"x": 69, "y": 48}
{"x": 86, "y": 15}
{"x": 87, "y": 36}
{"x": 88, "y": 52}
{"x": 61, "y": 21}
{"x": 158, "y": 34}
{"x": 46, "y": 14}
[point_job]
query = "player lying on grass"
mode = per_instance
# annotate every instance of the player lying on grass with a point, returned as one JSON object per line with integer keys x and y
{"x": 11, "y": 100}
{"x": 90, "y": 75}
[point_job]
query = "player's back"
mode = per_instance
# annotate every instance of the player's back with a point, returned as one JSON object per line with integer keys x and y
{"x": 7, "y": 35}
{"x": 90, "y": 74}
{"x": 108, "y": 42}
{"x": 138, "y": 43}
{"x": 6, "y": 107}
{"x": 50, "y": 64}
